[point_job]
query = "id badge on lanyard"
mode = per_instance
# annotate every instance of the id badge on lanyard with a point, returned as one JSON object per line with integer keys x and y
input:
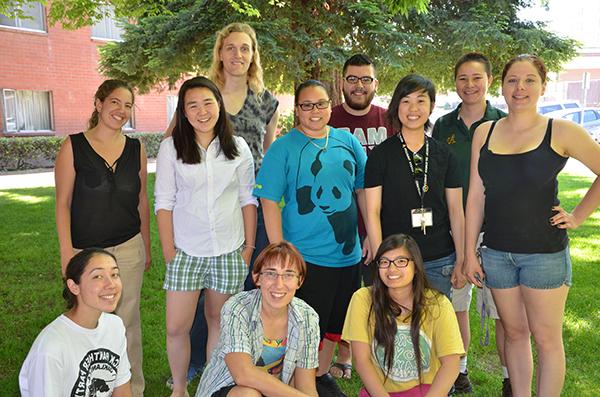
{"x": 420, "y": 217}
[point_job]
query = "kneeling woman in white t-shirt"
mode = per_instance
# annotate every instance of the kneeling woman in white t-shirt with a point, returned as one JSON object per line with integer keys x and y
{"x": 83, "y": 351}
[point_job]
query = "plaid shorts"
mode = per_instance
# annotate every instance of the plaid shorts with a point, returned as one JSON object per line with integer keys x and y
{"x": 224, "y": 273}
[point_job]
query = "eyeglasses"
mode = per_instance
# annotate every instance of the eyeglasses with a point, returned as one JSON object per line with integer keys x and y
{"x": 308, "y": 106}
{"x": 270, "y": 275}
{"x": 366, "y": 80}
{"x": 418, "y": 162}
{"x": 400, "y": 262}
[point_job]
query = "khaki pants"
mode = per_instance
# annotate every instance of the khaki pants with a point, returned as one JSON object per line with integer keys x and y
{"x": 131, "y": 257}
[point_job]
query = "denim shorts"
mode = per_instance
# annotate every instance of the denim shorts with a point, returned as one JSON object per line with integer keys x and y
{"x": 540, "y": 271}
{"x": 439, "y": 272}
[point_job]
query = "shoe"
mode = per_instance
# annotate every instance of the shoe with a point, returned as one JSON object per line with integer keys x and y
{"x": 328, "y": 387}
{"x": 192, "y": 373}
{"x": 462, "y": 384}
{"x": 506, "y": 388}
{"x": 341, "y": 371}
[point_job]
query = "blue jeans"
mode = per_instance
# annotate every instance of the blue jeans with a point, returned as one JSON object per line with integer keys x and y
{"x": 439, "y": 272}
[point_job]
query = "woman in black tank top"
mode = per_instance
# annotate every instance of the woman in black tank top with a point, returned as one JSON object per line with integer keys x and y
{"x": 513, "y": 185}
{"x": 101, "y": 202}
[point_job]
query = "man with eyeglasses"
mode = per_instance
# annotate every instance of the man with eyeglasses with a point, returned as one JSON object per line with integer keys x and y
{"x": 357, "y": 114}
{"x": 367, "y": 123}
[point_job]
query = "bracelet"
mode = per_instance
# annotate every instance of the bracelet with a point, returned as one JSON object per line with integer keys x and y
{"x": 249, "y": 246}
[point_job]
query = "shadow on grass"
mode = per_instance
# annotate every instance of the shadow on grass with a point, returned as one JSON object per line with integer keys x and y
{"x": 30, "y": 292}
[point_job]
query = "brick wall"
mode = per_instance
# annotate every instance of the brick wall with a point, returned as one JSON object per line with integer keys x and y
{"x": 65, "y": 63}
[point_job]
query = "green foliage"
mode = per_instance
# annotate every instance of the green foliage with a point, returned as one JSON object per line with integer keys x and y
{"x": 286, "y": 122}
{"x": 13, "y": 8}
{"x": 491, "y": 27}
{"x": 150, "y": 140}
{"x": 298, "y": 39}
{"x": 302, "y": 39}
{"x": 21, "y": 153}
{"x": 73, "y": 14}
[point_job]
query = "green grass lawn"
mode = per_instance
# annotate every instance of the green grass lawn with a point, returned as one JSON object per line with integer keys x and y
{"x": 30, "y": 296}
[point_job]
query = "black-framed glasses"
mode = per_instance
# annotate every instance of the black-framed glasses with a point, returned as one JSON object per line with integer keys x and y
{"x": 366, "y": 80}
{"x": 271, "y": 275}
{"x": 400, "y": 262}
{"x": 308, "y": 106}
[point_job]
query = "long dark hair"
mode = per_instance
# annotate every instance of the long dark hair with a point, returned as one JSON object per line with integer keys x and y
{"x": 75, "y": 269}
{"x": 184, "y": 137}
{"x": 409, "y": 84}
{"x": 385, "y": 310}
{"x": 103, "y": 91}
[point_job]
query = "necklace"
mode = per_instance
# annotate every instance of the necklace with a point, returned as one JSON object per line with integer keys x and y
{"x": 312, "y": 140}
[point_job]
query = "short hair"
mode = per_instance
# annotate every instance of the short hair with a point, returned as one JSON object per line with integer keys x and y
{"x": 307, "y": 84}
{"x": 533, "y": 59}
{"x": 75, "y": 269}
{"x": 103, "y": 91}
{"x": 409, "y": 84}
{"x": 358, "y": 60}
{"x": 473, "y": 57}
{"x": 282, "y": 252}
{"x": 255, "y": 71}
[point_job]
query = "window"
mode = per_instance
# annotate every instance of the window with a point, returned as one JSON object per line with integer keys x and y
{"x": 574, "y": 117}
{"x": 549, "y": 108}
{"x": 108, "y": 28}
{"x": 26, "y": 110}
{"x": 589, "y": 116}
{"x": 171, "y": 106}
{"x": 33, "y": 18}
{"x": 571, "y": 105}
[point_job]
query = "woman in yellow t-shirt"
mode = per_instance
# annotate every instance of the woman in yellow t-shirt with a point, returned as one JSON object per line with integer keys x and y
{"x": 404, "y": 336}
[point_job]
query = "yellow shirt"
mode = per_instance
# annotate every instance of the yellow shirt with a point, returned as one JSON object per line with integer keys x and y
{"x": 440, "y": 336}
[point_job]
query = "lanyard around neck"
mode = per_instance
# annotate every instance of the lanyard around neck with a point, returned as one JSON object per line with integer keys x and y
{"x": 420, "y": 191}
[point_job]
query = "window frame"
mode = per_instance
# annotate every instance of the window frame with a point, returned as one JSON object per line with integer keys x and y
{"x": 15, "y": 131}
{"x": 108, "y": 16}
{"x": 17, "y": 19}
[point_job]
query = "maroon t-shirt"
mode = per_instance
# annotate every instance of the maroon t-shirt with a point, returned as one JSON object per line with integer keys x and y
{"x": 370, "y": 129}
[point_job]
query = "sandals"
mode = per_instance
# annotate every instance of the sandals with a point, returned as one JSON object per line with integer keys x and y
{"x": 341, "y": 371}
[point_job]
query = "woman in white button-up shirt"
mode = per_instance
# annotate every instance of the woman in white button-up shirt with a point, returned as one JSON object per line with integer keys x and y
{"x": 206, "y": 217}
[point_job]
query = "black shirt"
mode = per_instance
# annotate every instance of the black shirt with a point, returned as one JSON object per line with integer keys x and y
{"x": 520, "y": 191}
{"x": 104, "y": 208}
{"x": 388, "y": 167}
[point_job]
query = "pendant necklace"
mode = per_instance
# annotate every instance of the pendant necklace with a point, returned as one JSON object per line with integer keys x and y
{"x": 312, "y": 140}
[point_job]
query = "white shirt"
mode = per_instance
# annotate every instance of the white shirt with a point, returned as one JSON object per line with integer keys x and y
{"x": 206, "y": 198}
{"x": 67, "y": 359}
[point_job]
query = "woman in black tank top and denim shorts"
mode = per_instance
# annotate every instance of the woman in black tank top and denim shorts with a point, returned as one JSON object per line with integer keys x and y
{"x": 525, "y": 254}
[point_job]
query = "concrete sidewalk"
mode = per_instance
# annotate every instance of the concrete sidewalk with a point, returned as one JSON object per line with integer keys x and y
{"x": 41, "y": 178}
